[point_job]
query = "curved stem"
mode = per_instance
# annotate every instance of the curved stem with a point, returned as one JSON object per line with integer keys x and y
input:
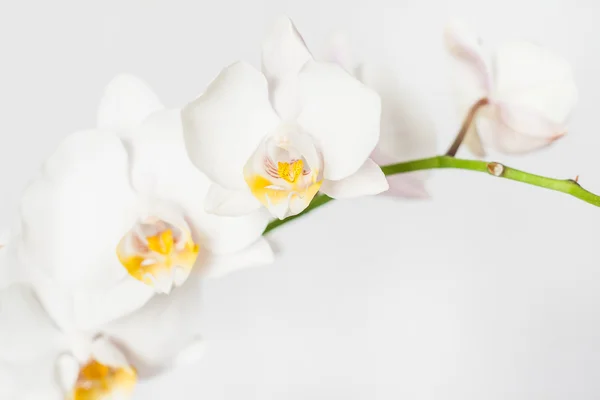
{"x": 460, "y": 137}
{"x": 567, "y": 186}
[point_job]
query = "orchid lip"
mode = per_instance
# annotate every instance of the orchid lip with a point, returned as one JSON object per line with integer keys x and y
{"x": 158, "y": 253}
{"x": 285, "y": 172}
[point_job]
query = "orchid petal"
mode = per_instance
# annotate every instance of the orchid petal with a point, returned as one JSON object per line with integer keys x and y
{"x": 409, "y": 185}
{"x": 67, "y": 371}
{"x": 258, "y": 254}
{"x": 223, "y": 127}
{"x": 495, "y": 133}
{"x": 154, "y": 336}
{"x": 342, "y": 115}
{"x": 30, "y": 347}
{"x": 368, "y": 180}
{"x": 533, "y": 77}
{"x": 529, "y": 122}
{"x": 90, "y": 307}
{"x": 106, "y": 353}
{"x": 126, "y": 103}
{"x": 472, "y": 77}
{"x": 232, "y": 203}
{"x": 284, "y": 52}
{"x": 75, "y": 214}
{"x": 473, "y": 141}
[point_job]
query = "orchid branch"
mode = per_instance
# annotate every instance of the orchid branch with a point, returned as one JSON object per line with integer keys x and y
{"x": 568, "y": 186}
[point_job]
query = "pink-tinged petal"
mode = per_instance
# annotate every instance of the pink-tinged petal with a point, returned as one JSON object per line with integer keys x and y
{"x": 529, "y": 122}
{"x": 496, "y": 134}
{"x": 531, "y": 76}
{"x": 471, "y": 77}
{"x": 230, "y": 203}
{"x": 338, "y": 51}
{"x": 284, "y": 52}
{"x": 342, "y": 114}
{"x": 407, "y": 130}
{"x": 126, "y": 103}
{"x": 224, "y": 126}
{"x": 410, "y": 185}
{"x": 473, "y": 142}
{"x": 368, "y": 180}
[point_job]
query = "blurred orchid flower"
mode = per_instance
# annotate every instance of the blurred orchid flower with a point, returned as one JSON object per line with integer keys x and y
{"x": 116, "y": 215}
{"x": 276, "y": 138}
{"x": 40, "y": 361}
{"x": 525, "y": 92}
{"x": 407, "y": 130}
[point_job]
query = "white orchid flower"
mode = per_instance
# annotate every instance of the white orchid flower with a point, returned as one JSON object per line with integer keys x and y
{"x": 40, "y": 361}
{"x": 276, "y": 138}
{"x": 116, "y": 215}
{"x": 527, "y": 92}
{"x": 407, "y": 130}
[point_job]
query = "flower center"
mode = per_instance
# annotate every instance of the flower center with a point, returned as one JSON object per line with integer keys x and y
{"x": 285, "y": 172}
{"x": 158, "y": 253}
{"x": 290, "y": 171}
{"x": 97, "y": 381}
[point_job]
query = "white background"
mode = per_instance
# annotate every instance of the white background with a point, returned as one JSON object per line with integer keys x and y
{"x": 487, "y": 291}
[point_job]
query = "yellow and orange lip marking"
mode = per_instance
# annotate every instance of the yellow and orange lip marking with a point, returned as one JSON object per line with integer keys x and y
{"x": 97, "y": 381}
{"x": 146, "y": 262}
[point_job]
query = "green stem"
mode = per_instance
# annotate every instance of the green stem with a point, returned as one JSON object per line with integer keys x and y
{"x": 495, "y": 169}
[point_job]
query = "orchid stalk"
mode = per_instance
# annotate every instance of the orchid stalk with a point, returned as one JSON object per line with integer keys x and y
{"x": 567, "y": 186}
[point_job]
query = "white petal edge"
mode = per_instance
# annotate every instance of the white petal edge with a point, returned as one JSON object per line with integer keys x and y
{"x": 284, "y": 52}
{"x": 368, "y": 180}
{"x": 127, "y": 101}
{"x": 258, "y": 254}
{"x": 342, "y": 114}
{"x": 230, "y": 203}
{"x": 223, "y": 127}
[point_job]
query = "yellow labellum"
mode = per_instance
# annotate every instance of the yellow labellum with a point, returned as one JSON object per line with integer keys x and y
{"x": 161, "y": 255}
{"x": 97, "y": 381}
{"x": 262, "y": 189}
{"x": 290, "y": 172}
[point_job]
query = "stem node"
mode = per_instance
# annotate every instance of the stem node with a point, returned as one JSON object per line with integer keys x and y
{"x": 495, "y": 168}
